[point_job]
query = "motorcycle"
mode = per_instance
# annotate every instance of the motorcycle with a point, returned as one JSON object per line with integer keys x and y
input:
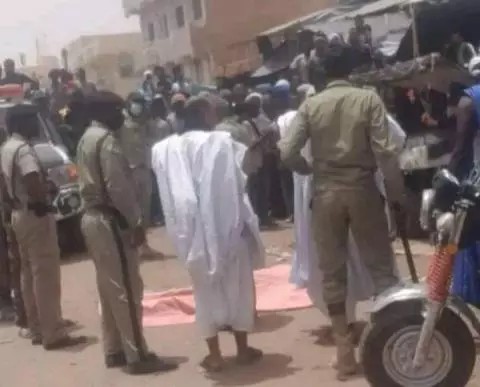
{"x": 419, "y": 335}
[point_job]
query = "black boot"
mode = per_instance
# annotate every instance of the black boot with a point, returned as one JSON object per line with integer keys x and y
{"x": 115, "y": 360}
{"x": 151, "y": 365}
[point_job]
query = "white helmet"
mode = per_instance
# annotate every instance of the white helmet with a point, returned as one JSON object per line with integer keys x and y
{"x": 474, "y": 66}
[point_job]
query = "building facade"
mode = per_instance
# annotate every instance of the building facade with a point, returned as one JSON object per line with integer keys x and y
{"x": 211, "y": 38}
{"x": 114, "y": 62}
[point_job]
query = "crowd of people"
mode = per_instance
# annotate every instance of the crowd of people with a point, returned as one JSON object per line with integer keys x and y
{"x": 214, "y": 159}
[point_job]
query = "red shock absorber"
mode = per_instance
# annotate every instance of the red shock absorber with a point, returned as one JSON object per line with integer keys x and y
{"x": 439, "y": 274}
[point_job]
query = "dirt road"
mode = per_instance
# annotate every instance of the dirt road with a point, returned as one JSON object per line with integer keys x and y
{"x": 291, "y": 357}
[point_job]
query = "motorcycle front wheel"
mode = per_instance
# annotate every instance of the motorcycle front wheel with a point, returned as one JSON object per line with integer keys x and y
{"x": 389, "y": 346}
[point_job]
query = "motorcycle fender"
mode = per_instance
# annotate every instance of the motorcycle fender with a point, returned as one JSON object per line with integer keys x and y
{"x": 399, "y": 300}
{"x": 411, "y": 299}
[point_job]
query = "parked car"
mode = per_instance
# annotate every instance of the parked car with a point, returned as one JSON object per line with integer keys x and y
{"x": 60, "y": 171}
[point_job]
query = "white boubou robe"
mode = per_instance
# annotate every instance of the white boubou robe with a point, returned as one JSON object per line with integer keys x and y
{"x": 305, "y": 267}
{"x": 212, "y": 224}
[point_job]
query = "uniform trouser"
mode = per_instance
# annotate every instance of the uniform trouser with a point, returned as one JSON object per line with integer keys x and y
{"x": 118, "y": 334}
{"x": 16, "y": 281}
{"x": 156, "y": 203}
{"x": 287, "y": 190}
{"x": 258, "y": 192}
{"x": 41, "y": 283}
{"x": 5, "y": 269}
{"x": 361, "y": 211}
{"x": 143, "y": 184}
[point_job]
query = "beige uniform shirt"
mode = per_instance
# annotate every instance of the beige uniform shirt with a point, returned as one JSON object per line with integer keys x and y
{"x": 135, "y": 142}
{"x": 18, "y": 159}
{"x": 350, "y": 139}
{"x": 116, "y": 171}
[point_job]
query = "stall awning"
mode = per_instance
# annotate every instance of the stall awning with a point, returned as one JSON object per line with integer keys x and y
{"x": 379, "y": 7}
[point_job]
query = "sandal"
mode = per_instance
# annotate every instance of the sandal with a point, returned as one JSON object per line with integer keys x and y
{"x": 251, "y": 356}
{"x": 212, "y": 366}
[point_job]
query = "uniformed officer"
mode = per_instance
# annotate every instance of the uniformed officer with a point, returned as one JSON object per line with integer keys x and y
{"x": 35, "y": 230}
{"x": 136, "y": 144}
{"x": 348, "y": 130}
{"x": 113, "y": 229}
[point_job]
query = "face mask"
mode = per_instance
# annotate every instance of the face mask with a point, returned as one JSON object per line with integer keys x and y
{"x": 136, "y": 109}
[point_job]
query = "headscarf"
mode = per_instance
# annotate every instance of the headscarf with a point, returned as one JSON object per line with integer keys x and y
{"x": 282, "y": 85}
{"x": 253, "y": 96}
{"x": 335, "y": 39}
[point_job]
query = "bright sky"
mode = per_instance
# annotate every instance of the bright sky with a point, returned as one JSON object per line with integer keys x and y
{"x": 58, "y": 21}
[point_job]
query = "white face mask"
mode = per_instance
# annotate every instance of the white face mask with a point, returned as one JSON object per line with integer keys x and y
{"x": 136, "y": 109}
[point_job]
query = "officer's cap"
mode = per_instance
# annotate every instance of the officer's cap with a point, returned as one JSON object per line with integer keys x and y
{"x": 17, "y": 113}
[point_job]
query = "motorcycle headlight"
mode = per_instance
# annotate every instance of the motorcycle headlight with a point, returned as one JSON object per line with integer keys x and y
{"x": 445, "y": 224}
{"x": 426, "y": 210}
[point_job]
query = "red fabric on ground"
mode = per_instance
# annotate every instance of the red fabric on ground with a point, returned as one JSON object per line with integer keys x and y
{"x": 274, "y": 293}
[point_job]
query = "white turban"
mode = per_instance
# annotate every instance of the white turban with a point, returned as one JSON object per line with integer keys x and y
{"x": 474, "y": 66}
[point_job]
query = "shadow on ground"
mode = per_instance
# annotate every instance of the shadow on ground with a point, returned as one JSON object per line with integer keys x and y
{"x": 272, "y": 322}
{"x": 272, "y": 366}
{"x": 90, "y": 340}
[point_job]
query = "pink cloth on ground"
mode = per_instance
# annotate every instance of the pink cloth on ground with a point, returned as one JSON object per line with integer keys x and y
{"x": 274, "y": 293}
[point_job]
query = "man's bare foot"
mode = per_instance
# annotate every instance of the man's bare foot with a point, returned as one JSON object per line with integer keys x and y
{"x": 212, "y": 364}
{"x": 249, "y": 356}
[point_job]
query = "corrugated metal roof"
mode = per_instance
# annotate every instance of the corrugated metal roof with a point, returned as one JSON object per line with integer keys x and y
{"x": 290, "y": 24}
{"x": 380, "y": 6}
{"x": 310, "y": 18}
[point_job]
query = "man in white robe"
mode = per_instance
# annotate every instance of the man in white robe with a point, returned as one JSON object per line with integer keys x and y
{"x": 305, "y": 269}
{"x": 214, "y": 229}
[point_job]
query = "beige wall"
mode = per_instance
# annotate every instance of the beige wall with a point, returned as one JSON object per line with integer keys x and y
{"x": 100, "y": 56}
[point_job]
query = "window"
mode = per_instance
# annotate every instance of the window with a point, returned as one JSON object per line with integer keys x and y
{"x": 197, "y": 9}
{"x": 179, "y": 14}
{"x": 164, "y": 32}
{"x": 198, "y": 70}
{"x": 151, "y": 32}
{"x": 126, "y": 65}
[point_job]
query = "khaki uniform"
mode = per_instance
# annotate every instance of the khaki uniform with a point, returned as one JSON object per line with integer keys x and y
{"x": 116, "y": 324}
{"x": 348, "y": 130}
{"x": 136, "y": 139}
{"x": 37, "y": 243}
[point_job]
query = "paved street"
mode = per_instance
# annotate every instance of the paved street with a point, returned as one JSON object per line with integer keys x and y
{"x": 291, "y": 357}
